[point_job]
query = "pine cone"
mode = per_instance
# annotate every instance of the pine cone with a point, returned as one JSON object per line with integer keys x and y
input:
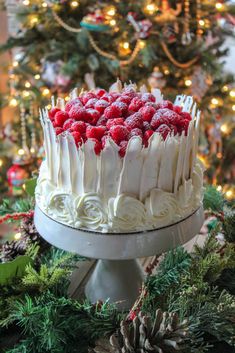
{"x": 28, "y": 229}
{"x": 165, "y": 335}
{"x": 10, "y": 250}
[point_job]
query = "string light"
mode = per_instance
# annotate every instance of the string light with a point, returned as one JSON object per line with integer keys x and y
{"x": 67, "y": 98}
{"x": 188, "y": 82}
{"x": 233, "y": 107}
{"x": 34, "y": 20}
{"x": 215, "y": 101}
{"x": 44, "y": 4}
{"x": 1, "y": 163}
{"x": 219, "y": 155}
{"x": 74, "y": 4}
{"x": 27, "y": 84}
{"x": 225, "y": 88}
{"x": 48, "y": 106}
{"x": 219, "y": 6}
{"x": 219, "y": 188}
{"x": 151, "y": 8}
{"x": 26, "y": 2}
{"x": 232, "y": 93}
{"x": 201, "y": 23}
{"x": 224, "y": 128}
{"x": 111, "y": 11}
{"x": 142, "y": 44}
{"x": 45, "y": 91}
{"x": 112, "y": 22}
{"x": 37, "y": 77}
{"x": 13, "y": 102}
{"x": 229, "y": 194}
{"x": 21, "y": 152}
{"x": 15, "y": 64}
{"x": 17, "y": 236}
{"x": 26, "y": 94}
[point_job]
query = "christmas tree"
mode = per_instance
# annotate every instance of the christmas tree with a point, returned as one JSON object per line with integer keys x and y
{"x": 175, "y": 46}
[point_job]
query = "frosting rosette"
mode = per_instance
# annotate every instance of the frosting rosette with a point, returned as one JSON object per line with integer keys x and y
{"x": 126, "y": 213}
{"x": 90, "y": 212}
{"x": 161, "y": 207}
{"x": 60, "y": 207}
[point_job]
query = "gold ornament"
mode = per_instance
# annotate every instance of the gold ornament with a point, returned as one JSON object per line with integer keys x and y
{"x": 168, "y": 14}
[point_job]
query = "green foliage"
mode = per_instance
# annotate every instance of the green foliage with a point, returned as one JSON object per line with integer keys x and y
{"x": 229, "y": 227}
{"x": 213, "y": 199}
{"x": 13, "y": 269}
{"x": 20, "y": 205}
{"x": 30, "y": 186}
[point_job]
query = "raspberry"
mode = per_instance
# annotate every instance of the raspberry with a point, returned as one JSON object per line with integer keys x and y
{"x": 108, "y": 98}
{"x": 136, "y": 132}
{"x": 158, "y": 120}
{"x": 151, "y": 104}
{"x": 96, "y": 132}
{"x": 102, "y": 121}
{"x": 91, "y": 103}
{"x": 166, "y": 104}
{"x": 79, "y": 126}
{"x": 135, "y": 105}
{"x": 164, "y": 130}
{"x": 71, "y": 103}
{"x": 101, "y": 105}
{"x": 172, "y": 117}
{"x": 97, "y": 146}
{"x": 134, "y": 121}
{"x": 86, "y": 96}
{"x": 147, "y": 113}
{"x": 129, "y": 91}
{"x": 147, "y": 136}
{"x": 77, "y": 137}
{"x": 119, "y": 133}
{"x": 186, "y": 116}
{"x": 100, "y": 92}
{"x": 92, "y": 116}
{"x": 146, "y": 126}
{"x": 112, "y": 112}
{"x": 53, "y": 112}
{"x": 121, "y": 105}
{"x": 173, "y": 129}
{"x": 183, "y": 126}
{"x": 68, "y": 123}
{"x": 58, "y": 130}
{"x": 115, "y": 96}
{"x": 60, "y": 118}
{"x": 78, "y": 113}
{"x": 124, "y": 99}
{"x": 112, "y": 122}
{"x": 84, "y": 138}
{"x": 177, "y": 109}
{"x": 123, "y": 146}
{"x": 103, "y": 140}
{"x": 148, "y": 97}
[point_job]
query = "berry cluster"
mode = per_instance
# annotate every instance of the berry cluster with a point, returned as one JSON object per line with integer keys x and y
{"x": 98, "y": 115}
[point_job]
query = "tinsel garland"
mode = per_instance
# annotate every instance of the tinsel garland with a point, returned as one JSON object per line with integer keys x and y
{"x": 16, "y": 216}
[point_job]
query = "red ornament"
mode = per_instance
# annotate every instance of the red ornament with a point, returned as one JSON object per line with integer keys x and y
{"x": 16, "y": 176}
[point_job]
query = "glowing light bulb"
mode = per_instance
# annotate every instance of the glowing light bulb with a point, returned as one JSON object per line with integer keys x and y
{"x": 225, "y": 88}
{"x": 27, "y": 84}
{"x": 113, "y": 22}
{"x": 74, "y": 4}
{"x": 224, "y": 128}
{"x": 111, "y": 11}
{"x": 233, "y": 107}
{"x": 188, "y": 83}
{"x": 142, "y": 44}
{"x": 26, "y": 2}
{"x": 34, "y": 20}
{"x": 201, "y": 23}
{"x": 219, "y": 6}
{"x": 67, "y": 98}
{"x": 32, "y": 150}
{"x": 166, "y": 72}
{"x": 1, "y": 162}
{"x": 219, "y": 188}
{"x": 126, "y": 45}
{"x": 219, "y": 155}
{"x": 37, "y": 77}
{"x": 229, "y": 194}
{"x": 48, "y": 106}
{"x": 15, "y": 64}
{"x": 44, "y": 4}
{"x": 26, "y": 94}
{"x": 232, "y": 93}
{"x": 17, "y": 236}
{"x": 13, "y": 102}
{"x": 151, "y": 8}
{"x": 21, "y": 152}
{"x": 215, "y": 101}
{"x": 45, "y": 91}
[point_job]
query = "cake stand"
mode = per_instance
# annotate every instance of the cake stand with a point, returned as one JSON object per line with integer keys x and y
{"x": 117, "y": 275}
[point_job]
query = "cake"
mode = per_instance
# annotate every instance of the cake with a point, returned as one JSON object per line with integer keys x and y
{"x": 120, "y": 161}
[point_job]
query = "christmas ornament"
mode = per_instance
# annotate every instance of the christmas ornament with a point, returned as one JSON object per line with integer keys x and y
{"x": 142, "y": 27}
{"x": 52, "y": 74}
{"x": 165, "y": 334}
{"x": 156, "y": 79}
{"x": 167, "y": 13}
{"x": 16, "y": 176}
{"x": 201, "y": 81}
{"x": 214, "y": 137}
{"x": 96, "y": 21}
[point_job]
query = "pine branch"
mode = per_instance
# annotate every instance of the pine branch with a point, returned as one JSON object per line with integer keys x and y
{"x": 213, "y": 199}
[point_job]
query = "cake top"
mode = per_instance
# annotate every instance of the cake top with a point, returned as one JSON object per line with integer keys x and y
{"x": 118, "y": 114}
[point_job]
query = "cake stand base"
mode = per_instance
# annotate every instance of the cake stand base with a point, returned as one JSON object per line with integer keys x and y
{"x": 118, "y": 281}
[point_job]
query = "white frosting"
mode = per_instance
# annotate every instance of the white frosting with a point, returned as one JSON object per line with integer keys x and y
{"x": 148, "y": 188}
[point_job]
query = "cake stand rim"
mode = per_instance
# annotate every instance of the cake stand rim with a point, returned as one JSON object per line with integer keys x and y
{"x": 98, "y": 233}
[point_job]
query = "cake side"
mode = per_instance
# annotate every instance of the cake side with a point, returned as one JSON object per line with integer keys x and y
{"x": 149, "y": 187}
